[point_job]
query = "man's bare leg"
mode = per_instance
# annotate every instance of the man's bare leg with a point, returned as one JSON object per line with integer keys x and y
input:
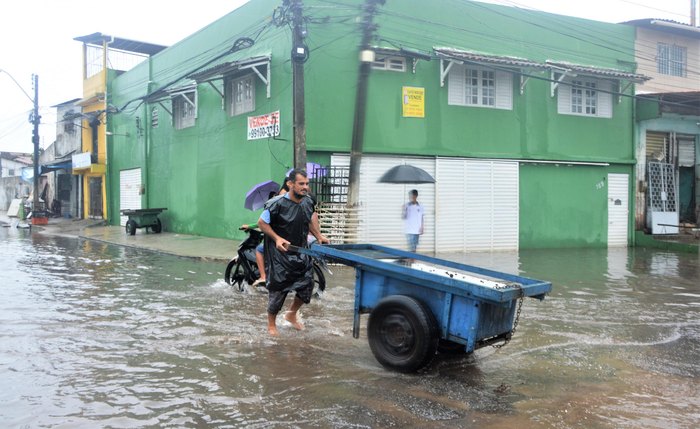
{"x": 272, "y": 325}
{"x": 260, "y": 261}
{"x": 291, "y": 315}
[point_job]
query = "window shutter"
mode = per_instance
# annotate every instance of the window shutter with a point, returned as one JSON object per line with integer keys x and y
{"x": 504, "y": 90}
{"x": 455, "y": 86}
{"x": 605, "y": 99}
{"x": 563, "y": 98}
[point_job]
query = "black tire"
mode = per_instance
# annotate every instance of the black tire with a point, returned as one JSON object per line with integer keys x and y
{"x": 234, "y": 274}
{"x": 130, "y": 227}
{"x": 158, "y": 227}
{"x": 402, "y": 333}
{"x": 319, "y": 282}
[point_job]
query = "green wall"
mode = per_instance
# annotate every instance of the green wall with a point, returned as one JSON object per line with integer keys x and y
{"x": 201, "y": 174}
{"x": 565, "y": 205}
{"x": 532, "y": 130}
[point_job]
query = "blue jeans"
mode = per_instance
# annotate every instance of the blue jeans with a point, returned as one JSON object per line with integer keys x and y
{"x": 412, "y": 242}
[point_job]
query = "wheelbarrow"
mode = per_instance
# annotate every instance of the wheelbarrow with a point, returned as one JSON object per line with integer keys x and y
{"x": 143, "y": 218}
{"x": 419, "y": 305}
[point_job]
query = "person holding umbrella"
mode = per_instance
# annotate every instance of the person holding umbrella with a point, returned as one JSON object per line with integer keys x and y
{"x": 412, "y": 216}
{"x": 287, "y": 221}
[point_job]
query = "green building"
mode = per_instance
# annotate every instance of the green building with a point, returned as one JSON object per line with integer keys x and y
{"x": 524, "y": 119}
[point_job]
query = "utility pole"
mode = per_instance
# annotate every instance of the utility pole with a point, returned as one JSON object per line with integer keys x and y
{"x": 300, "y": 53}
{"x": 358, "y": 127}
{"x": 693, "y": 13}
{"x": 35, "y": 119}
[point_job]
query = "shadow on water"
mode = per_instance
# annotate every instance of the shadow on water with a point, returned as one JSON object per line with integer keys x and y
{"x": 96, "y": 335}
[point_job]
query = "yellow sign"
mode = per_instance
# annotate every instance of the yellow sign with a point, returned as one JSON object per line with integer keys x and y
{"x": 413, "y": 102}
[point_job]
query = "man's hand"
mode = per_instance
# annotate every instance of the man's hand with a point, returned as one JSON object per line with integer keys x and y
{"x": 323, "y": 239}
{"x": 281, "y": 244}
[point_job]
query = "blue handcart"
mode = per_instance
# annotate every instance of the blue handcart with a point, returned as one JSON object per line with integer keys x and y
{"x": 418, "y": 304}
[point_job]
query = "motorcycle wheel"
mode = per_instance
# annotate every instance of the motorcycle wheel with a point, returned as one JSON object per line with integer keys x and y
{"x": 234, "y": 274}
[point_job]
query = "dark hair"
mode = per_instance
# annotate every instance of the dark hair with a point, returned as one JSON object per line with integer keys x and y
{"x": 292, "y": 177}
{"x": 284, "y": 187}
{"x": 271, "y": 194}
{"x": 413, "y": 192}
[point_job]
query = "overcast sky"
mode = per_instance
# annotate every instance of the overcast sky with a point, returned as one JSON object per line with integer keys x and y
{"x": 37, "y": 37}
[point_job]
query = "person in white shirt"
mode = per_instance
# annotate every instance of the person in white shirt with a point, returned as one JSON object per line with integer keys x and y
{"x": 412, "y": 220}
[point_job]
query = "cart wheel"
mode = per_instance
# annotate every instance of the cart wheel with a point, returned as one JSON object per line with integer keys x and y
{"x": 319, "y": 282}
{"x": 403, "y": 333}
{"x": 234, "y": 274}
{"x": 130, "y": 227}
{"x": 157, "y": 227}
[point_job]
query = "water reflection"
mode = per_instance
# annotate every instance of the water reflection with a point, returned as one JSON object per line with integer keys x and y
{"x": 101, "y": 336}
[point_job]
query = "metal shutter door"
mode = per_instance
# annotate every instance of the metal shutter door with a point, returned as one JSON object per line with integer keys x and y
{"x": 656, "y": 146}
{"x": 492, "y": 205}
{"x": 129, "y": 196}
{"x": 618, "y": 209}
{"x": 686, "y": 151}
{"x": 450, "y": 205}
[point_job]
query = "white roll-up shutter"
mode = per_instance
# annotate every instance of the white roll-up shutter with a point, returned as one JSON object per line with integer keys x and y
{"x": 686, "y": 151}
{"x": 450, "y": 204}
{"x": 129, "y": 191}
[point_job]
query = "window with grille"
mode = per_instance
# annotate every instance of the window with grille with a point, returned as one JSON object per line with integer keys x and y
{"x": 480, "y": 86}
{"x": 184, "y": 109}
{"x": 585, "y": 97}
{"x": 397, "y": 64}
{"x": 671, "y": 59}
{"x": 240, "y": 93}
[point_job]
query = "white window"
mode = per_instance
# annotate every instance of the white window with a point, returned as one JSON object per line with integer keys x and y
{"x": 184, "y": 109}
{"x": 585, "y": 97}
{"x": 671, "y": 59}
{"x": 240, "y": 93}
{"x": 389, "y": 63}
{"x": 480, "y": 86}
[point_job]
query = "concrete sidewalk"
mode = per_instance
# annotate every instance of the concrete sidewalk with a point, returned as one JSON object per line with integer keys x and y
{"x": 191, "y": 246}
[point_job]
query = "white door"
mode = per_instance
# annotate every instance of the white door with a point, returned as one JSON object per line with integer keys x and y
{"x": 129, "y": 191}
{"x": 618, "y": 209}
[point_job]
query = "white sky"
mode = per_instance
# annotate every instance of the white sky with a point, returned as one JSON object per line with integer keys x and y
{"x": 37, "y": 37}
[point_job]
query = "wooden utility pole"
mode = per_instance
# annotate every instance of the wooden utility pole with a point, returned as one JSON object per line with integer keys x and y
{"x": 35, "y": 120}
{"x": 358, "y": 127}
{"x": 300, "y": 53}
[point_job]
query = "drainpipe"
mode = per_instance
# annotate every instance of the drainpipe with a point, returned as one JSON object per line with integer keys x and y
{"x": 105, "y": 203}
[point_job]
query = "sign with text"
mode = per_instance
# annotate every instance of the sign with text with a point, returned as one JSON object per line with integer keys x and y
{"x": 264, "y": 126}
{"x": 413, "y": 102}
{"x": 81, "y": 160}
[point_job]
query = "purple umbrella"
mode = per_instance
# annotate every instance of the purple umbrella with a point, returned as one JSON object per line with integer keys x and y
{"x": 257, "y": 196}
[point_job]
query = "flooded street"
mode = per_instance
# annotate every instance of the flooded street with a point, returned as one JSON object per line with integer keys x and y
{"x": 95, "y": 335}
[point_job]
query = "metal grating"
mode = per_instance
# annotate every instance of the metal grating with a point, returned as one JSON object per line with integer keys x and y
{"x": 330, "y": 184}
{"x": 663, "y": 188}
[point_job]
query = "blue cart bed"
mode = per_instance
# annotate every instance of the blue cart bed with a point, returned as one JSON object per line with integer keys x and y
{"x": 419, "y": 304}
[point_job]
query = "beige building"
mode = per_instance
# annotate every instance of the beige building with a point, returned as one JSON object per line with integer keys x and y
{"x": 667, "y": 126}
{"x": 669, "y": 53}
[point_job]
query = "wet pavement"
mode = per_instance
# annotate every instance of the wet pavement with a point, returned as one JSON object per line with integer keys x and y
{"x": 98, "y": 335}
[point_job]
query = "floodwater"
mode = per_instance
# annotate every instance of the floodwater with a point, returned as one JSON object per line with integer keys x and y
{"x": 95, "y": 335}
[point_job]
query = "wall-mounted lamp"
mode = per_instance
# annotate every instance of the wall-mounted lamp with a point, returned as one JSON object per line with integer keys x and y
{"x": 109, "y": 133}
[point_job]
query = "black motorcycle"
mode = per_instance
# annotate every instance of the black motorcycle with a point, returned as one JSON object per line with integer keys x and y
{"x": 243, "y": 269}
